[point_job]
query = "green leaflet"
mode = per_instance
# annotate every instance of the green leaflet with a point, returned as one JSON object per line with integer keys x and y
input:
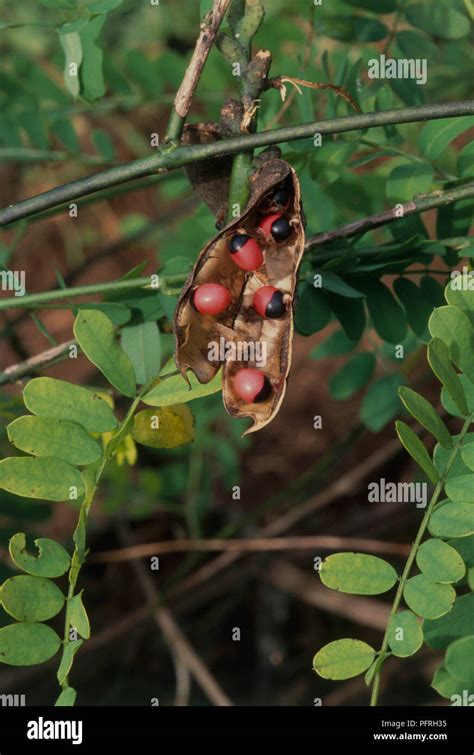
{"x": 405, "y": 635}
{"x": 407, "y": 180}
{"x": 460, "y": 293}
{"x": 417, "y": 450}
{"x": 175, "y": 390}
{"x": 350, "y": 313}
{"x": 67, "y": 698}
{"x": 27, "y": 644}
{"x": 426, "y": 415}
{"x": 52, "y": 560}
{"x": 453, "y": 327}
{"x": 438, "y": 17}
{"x": 441, "y": 457}
{"x": 447, "y": 685}
{"x": 141, "y": 343}
{"x": 47, "y": 478}
{"x": 387, "y": 316}
{"x": 417, "y": 308}
{"x": 70, "y": 650}
{"x": 312, "y": 310}
{"x": 438, "y": 357}
{"x": 428, "y": 599}
{"x": 461, "y": 489}
{"x": 29, "y": 598}
{"x": 459, "y": 659}
{"x": 437, "y": 135}
{"x": 43, "y": 436}
{"x": 72, "y": 47}
{"x": 439, "y": 562}
{"x": 332, "y": 282}
{"x": 357, "y": 573}
{"x": 343, "y": 659}
{"x": 459, "y": 622}
{"x": 47, "y": 397}
{"x": 77, "y": 616}
{"x": 96, "y": 336}
{"x": 92, "y": 77}
{"x": 467, "y": 454}
{"x": 452, "y": 520}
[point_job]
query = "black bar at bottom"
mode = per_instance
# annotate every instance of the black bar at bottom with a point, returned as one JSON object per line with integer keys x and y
{"x": 88, "y": 729}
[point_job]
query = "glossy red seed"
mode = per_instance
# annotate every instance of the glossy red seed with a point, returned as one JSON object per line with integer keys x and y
{"x": 211, "y": 298}
{"x": 252, "y": 386}
{"x": 245, "y": 252}
{"x": 268, "y": 302}
{"x": 276, "y": 225}
{"x": 267, "y": 222}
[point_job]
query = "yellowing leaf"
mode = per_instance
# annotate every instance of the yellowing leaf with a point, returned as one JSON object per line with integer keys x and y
{"x": 164, "y": 428}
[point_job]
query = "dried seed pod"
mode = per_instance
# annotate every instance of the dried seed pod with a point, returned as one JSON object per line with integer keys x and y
{"x": 209, "y": 178}
{"x": 240, "y": 337}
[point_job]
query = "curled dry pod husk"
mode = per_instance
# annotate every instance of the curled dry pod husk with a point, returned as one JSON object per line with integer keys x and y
{"x": 209, "y": 178}
{"x": 260, "y": 343}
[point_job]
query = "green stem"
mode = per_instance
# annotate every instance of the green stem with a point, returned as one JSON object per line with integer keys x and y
{"x": 245, "y": 20}
{"x": 175, "y": 127}
{"x": 78, "y": 560}
{"x": 101, "y": 196}
{"x": 239, "y": 189}
{"x": 414, "y": 550}
{"x": 30, "y": 301}
{"x": 170, "y": 158}
{"x": 22, "y": 154}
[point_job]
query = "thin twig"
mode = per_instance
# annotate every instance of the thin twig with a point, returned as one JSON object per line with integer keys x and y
{"x": 44, "y": 359}
{"x": 173, "y": 635}
{"x": 182, "y": 102}
{"x": 171, "y": 158}
{"x": 421, "y": 203}
{"x": 241, "y": 545}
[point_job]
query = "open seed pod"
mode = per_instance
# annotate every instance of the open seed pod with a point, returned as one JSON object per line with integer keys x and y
{"x": 240, "y": 337}
{"x": 273, "y": 357}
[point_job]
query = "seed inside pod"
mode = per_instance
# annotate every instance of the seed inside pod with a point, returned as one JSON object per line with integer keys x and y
{"x": 276, "y": 226}
{"x": 210, "y": 298}
{"x": 268, "y": 302}
{"x": 252, "y": 386}
{"x": 281, "y": 195}
{"x": 245, "y": 252}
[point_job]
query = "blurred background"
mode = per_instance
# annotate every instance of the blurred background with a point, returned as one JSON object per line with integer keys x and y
{"x": 49, "y": 135}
